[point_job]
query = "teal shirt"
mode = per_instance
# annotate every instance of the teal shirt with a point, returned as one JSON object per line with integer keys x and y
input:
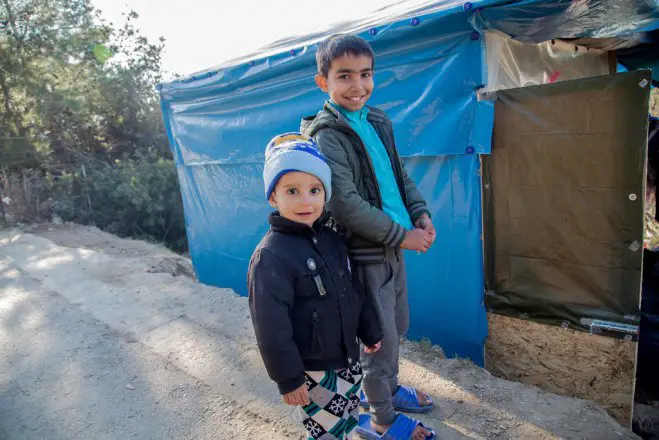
{"x": 392, "y": 202}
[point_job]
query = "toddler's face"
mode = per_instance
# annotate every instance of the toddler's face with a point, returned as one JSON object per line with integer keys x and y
{"x": 349, "y": 81}
{"x": 299, "y": 197}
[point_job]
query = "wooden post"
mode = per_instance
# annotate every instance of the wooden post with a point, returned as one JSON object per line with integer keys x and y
{"x": 613, "y": 62}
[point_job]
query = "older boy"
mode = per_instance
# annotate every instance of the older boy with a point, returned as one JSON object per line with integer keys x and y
{"x": 382, "y": 211}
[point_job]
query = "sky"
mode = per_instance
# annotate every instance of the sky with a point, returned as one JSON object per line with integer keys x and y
{"x": 203, "y": 33}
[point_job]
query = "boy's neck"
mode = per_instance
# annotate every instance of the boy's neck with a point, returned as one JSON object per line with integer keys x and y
{"x": 340, "y": 107}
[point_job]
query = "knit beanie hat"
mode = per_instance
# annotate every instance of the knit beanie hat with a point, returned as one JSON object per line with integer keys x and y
{"x": 294, "y": 152}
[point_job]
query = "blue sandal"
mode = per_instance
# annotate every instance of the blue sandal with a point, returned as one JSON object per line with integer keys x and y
{"x": 405, "y": 400}
{"x": 401, "y": 429}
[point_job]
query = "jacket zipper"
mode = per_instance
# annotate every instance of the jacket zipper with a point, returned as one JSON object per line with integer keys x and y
{"x": 316, "y": 341}
{"x": 368, "y": 158}
{"x": 317, "y": 279}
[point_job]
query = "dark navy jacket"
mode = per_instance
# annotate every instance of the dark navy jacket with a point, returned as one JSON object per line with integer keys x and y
{"x": 306, "y": 310}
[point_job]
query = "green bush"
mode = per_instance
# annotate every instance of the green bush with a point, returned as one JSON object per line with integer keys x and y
{"x": 136, "y": 197}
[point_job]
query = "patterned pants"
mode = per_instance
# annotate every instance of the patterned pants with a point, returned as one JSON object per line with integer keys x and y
{"x": 334, "y": 409}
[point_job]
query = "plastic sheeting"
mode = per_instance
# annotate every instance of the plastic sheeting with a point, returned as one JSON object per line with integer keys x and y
{"x": 536, "y": 21}
{"x": 440, "y": 73}
{"x": 512, "y": 64}
{"x": 446, "y": 284}
{"x": 375, "y": 26}
{"x": 565, "y": 200}
{"x": 220, "y": 121}
{"x": 628, "y": 22}
{"x": 430, "y": 62}
{"x": 648, "y": 344}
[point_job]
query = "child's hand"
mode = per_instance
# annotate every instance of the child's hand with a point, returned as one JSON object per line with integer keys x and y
{"x": 297, "y": 397}
{"x": 417, "y": 240}
{"x": 373, "y": 348}
{"x": 425, "y": 223}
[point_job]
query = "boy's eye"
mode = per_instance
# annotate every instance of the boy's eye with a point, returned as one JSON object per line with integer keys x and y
{"x": 366, "y": 74}
{"x": 315, "y": 191}
{"x": 292, "y": 191}
{"x": 344, "y": 76}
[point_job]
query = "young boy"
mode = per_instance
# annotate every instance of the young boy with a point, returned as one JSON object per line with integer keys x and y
{"x": 382, "y": 211}
{"x": 305, "y": 309}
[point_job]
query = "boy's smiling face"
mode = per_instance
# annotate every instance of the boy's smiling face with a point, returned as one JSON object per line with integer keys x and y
{"x": 349, "y": 81}
{"x": 299, "y": 197}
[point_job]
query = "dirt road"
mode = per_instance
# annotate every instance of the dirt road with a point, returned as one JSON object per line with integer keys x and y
{"x": 105, "y": 338}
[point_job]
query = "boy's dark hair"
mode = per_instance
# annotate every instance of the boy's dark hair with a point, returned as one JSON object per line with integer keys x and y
{"x": 338, "y": 46}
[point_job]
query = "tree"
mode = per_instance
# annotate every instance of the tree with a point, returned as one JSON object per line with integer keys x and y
{"x": 79, "y": 111}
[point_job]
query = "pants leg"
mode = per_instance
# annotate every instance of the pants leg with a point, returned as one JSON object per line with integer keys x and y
{"x": 334, "y": 409}
{"x": 385, "y": 285}
{"x": 401, "y": 313}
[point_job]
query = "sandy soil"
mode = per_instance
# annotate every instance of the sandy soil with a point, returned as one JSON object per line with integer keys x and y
{"x": 107, "y": 338}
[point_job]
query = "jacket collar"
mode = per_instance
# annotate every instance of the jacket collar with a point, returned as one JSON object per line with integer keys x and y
{"x": 331, "y": 117}
{"x": 353, "y": 117}
{"x": 281, "y": 224}
{"x": 372, "y": 114}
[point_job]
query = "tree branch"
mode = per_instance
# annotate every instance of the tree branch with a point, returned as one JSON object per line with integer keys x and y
{"x": 11, "y": 19}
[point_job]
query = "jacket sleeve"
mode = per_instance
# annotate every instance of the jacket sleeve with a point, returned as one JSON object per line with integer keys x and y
{"x": 347, "y": 206}
{"x": 369, "y": 328}
{"x": 271, "y": 296}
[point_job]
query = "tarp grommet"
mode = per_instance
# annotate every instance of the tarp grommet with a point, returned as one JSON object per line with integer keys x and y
{"x": 373, "y": 31}
{"x": 293, "y": 52}
{"x": 468, "y": 6}
{"x": 415, "y": 21}
{"x": 475, "y": 35}
{"x": 470, "y": 150}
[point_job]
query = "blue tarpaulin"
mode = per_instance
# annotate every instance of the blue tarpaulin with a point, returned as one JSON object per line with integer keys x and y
{"x": 429, "y": 66}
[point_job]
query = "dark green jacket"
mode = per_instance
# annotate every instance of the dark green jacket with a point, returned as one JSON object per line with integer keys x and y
{"x": 356, "y": 203}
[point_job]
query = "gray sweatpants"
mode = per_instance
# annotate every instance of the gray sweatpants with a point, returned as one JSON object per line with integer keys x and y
{"x": 386, "y": 285}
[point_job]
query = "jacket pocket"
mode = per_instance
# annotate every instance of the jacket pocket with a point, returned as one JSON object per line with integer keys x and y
{"x": 388, "y": 279}
{"x": 307, "y": 330}
{"x": 316, "y": 348}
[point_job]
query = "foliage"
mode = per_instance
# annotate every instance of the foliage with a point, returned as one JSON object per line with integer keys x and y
{"x": 80, "y": 121}
{"x": 80, "y": 128}
{"x": 137, "y": 196}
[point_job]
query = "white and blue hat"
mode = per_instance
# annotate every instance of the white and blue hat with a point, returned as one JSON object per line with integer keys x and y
{"x": 290, "y": 152}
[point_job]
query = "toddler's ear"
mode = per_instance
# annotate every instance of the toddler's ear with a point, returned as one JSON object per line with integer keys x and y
{"x": 321, "y": 82}
{"x": 272, "y": 201}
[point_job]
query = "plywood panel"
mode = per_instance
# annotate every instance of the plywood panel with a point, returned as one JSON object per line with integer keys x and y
{"x": 564, "y": 361}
